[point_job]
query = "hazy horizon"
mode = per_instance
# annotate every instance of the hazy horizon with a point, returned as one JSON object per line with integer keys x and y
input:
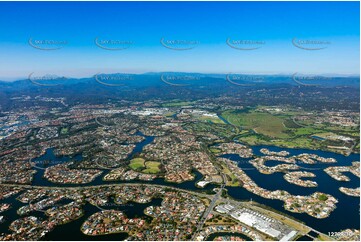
{"x": 333, "y": 75}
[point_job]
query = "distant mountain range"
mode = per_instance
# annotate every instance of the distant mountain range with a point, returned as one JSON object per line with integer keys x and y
{"x": 309, "y": 92}
{"x": 181, "y": 79}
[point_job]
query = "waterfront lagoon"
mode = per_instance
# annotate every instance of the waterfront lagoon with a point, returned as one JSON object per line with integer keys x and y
{"x": 347, "y": 211}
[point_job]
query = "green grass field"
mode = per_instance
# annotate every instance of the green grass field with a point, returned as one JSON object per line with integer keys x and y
{"x": 149, "y": 167}
{"x": 215, "y": 150}
{"x": 64, "y": 131}
{"x": 211, "y": 119}
{"x": 177, "y": 104}
{"x": 152, "y": 167}
{"x": 307, "y": 131}
{"x": 262, "y": 123}
{"x": 169, "y": 114}
{"x": 137, "y": 164}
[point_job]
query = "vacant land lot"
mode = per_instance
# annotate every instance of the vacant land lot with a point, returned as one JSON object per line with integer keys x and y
{"x": 259, "y": 127}
{"x": 211, "y": 119}
{"x": 263, "y": 123}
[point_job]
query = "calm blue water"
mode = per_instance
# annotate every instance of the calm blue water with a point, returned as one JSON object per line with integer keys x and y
{"x": 139, "y": 146}
{"x": 317, "y": 137}
{"x": 304, "y": 238}
{"x": 223, "y": 119}
{"x": 214, "y": 235}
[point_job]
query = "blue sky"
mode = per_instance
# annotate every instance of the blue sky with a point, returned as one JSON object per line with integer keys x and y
{"x": 274, "y": 24}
